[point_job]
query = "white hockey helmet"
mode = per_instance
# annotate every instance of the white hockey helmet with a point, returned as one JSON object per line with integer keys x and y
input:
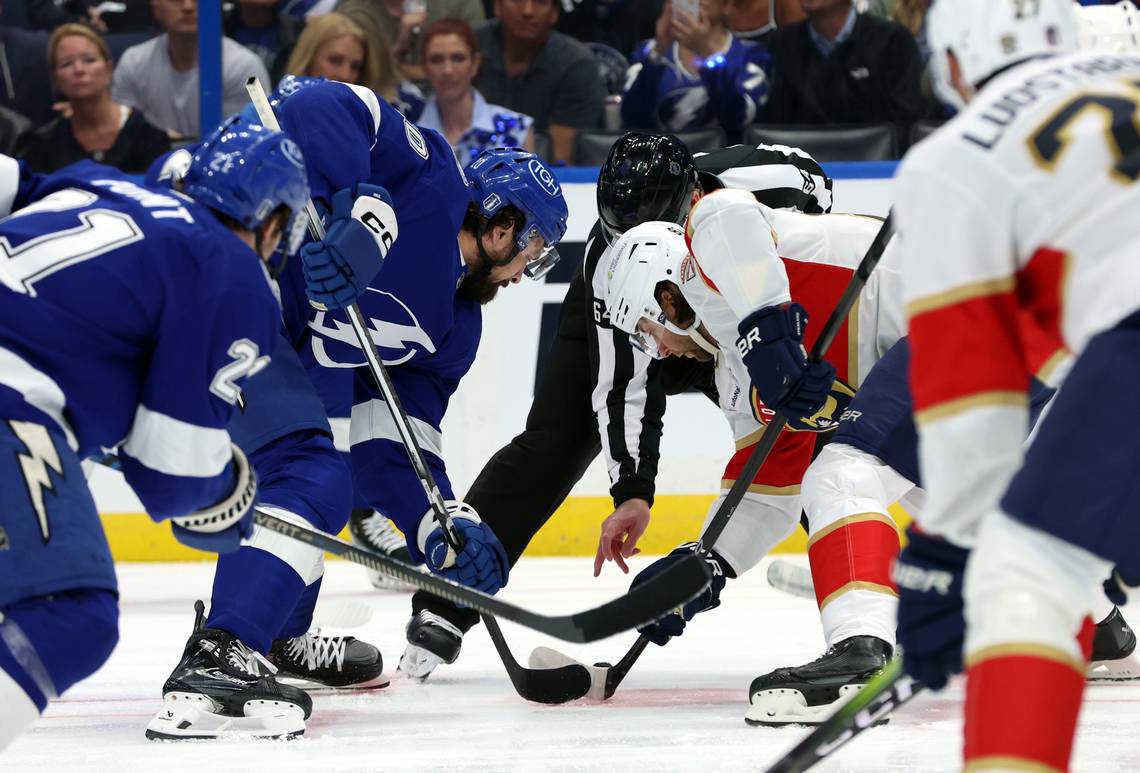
{"x": 641, "y": 258}
{"x": 1109, "y": 27}
{"x": 987, "y": 36}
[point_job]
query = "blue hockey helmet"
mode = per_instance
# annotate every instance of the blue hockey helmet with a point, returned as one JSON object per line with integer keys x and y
{"x": 501, "y": 176}
{"x": 246, "y": 172}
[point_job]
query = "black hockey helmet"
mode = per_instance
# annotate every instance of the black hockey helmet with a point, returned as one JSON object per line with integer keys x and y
{"x": 645, "y": 177}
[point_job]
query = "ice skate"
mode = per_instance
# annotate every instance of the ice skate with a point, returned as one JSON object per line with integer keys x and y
{"x": 372, "y": 530}
{"x": 221, "y": 688}
{"x": 809, "y": 694}
{"x": 317, "y": 662}
{"x": 1113, "y": 644}
{"x": 431, "y": 640}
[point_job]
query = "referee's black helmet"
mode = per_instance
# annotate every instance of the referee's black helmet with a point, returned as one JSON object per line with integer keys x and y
{"x": 645, "y": 177}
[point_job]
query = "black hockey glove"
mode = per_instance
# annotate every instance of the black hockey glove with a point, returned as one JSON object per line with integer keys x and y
{"x": 932, "y": 623}
{"x": 673, "y": 624}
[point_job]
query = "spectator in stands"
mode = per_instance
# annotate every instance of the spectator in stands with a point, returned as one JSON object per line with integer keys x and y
{"x": 839, "y": 66}
{"x": 619, "y": 24}
{"x": 98, "y": 127}
{"x": 529, "y": 67}
{"x": 694, "y": 74}
{"x": 456, "y": 109}
{"x": 123, "y": 16}
{"x": 160, "y": 76}
{"x": 25, "y": 84}
{"x": 402, "y": 22}
{"x": 755, "y": 19}
{"x": 265, "y": 27}
{"x": 342, "y": 35}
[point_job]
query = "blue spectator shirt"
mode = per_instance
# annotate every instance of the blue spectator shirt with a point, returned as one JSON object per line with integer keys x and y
{"x": 728, "y": 90}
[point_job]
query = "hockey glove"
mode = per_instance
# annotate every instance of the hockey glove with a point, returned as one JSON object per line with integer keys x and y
{"x": 221, "y": 528}
{"x": 673, "y": 624}
{"x": 932, "y": 624}
{"x": 771, "y": 344}
{"x": 361, "y": 229}
{"x": 481, "y": 563}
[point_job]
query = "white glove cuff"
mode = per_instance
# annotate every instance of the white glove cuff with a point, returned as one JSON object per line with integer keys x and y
{"x": 455, "y": 509}
{"x": 230, "y": 510}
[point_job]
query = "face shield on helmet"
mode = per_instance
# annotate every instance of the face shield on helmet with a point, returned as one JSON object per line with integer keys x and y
{"x": 512, "y": 176}
{"x": 643, "y": 257}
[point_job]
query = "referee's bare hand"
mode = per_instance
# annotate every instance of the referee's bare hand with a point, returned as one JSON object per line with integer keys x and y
{"x": 620, "y": 533}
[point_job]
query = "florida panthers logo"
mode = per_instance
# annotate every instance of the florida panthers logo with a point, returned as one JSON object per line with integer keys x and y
{"x": 394, "y": 328}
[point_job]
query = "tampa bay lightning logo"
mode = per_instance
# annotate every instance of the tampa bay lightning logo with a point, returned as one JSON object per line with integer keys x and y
{"x": 393, "y": 327}
{"x": 684, "y": 108}
{"x": 290, "y": 150}
{"x": 542, "y": 176}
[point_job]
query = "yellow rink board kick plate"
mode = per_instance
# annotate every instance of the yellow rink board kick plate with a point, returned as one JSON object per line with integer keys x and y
{"x": 572, "y": 531}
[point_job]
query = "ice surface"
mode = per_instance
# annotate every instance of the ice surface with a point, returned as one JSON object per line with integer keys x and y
{"x": 681, "y": 708}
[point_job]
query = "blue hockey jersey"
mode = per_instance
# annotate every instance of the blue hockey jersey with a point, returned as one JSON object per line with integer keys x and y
{"x": 130, "y": 317}
{"x": 425, "y": 332}
{"x": 726, "y": 91}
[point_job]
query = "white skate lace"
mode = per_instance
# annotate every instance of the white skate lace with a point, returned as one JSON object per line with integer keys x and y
{"x": 248, "y": 661}
{"x": 382, "y": 534}
{"x": 317, "y": 651}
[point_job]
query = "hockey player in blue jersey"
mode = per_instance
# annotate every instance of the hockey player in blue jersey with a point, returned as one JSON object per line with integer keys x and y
{"x": 422, "y": 309}
{"x": 130, "y": 318}
{"x": 696, "y": 74}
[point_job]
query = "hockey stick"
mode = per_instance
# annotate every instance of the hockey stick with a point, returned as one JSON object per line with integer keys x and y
{"x": 647, "y": 602}
{"x": 605, "y": 684}
{"x": 882, "y": 695}
{"x": 551, "y": 685}
{"x": 790, "y": 578}
{"x": 375, "y": 365}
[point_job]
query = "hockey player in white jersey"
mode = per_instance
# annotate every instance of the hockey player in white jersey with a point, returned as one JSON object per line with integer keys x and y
{"x": 737, "y": 280}
{"x": 1020, "y": 253}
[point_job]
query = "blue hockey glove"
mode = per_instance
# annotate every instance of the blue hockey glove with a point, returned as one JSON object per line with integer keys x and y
{"x": 673, "y": 624}
{"x": 221, "y": 528}
{"x": 1120, "y": 585}
{"x": 771, "y": 344}
{"x": 481, "y": 563}
{"x": 361, "y": 229}
{"x": 932, "y": 624}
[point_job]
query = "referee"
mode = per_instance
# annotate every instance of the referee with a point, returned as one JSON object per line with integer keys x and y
{"x": 645, "y": 177}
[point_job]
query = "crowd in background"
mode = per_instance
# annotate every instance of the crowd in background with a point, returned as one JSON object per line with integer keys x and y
{"x": 118, "y": 81}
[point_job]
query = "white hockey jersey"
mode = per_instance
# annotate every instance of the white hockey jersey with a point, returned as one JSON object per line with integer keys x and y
{"x": 1017, "y": 225}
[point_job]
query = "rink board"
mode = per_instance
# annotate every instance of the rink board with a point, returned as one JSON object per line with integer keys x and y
{"x": 517, "y": 329}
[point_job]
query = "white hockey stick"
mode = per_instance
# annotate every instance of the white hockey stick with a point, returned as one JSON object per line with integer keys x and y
{"x": 791, "y": 578}
{"x": 375, "y": 365}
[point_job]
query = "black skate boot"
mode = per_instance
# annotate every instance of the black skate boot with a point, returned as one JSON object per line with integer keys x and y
{"x": 808, "y": 694}
{"x": 222, "y": 688}
{"x": 316, "y": 662}
{"x": 431, "y": 640}
{"x": 374, "y": 531}
{"x": 1113, "y": 645}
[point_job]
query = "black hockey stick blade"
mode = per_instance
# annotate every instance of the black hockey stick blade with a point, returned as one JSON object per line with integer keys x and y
{"x": 882, "y": 695}
{"x": 541, "y": 685}
{"x": 604, "y": 678}
{"x": 645, "y": 603}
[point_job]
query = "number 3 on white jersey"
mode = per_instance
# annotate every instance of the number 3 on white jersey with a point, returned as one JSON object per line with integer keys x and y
{"x": 98, "y": 231}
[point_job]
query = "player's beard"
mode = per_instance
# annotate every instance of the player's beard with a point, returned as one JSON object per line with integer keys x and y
{"x": 478, "y": 286}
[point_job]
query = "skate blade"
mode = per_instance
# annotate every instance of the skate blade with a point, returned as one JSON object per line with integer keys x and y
{"x": 1123, "y": 670}
{"x": 186, "y": 717}
{"x": 378, "y": 682}
{"x": 783, "y": 707}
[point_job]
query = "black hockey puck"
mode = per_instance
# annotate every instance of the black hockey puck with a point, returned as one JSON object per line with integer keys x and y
{"x": 603, "y": 665}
